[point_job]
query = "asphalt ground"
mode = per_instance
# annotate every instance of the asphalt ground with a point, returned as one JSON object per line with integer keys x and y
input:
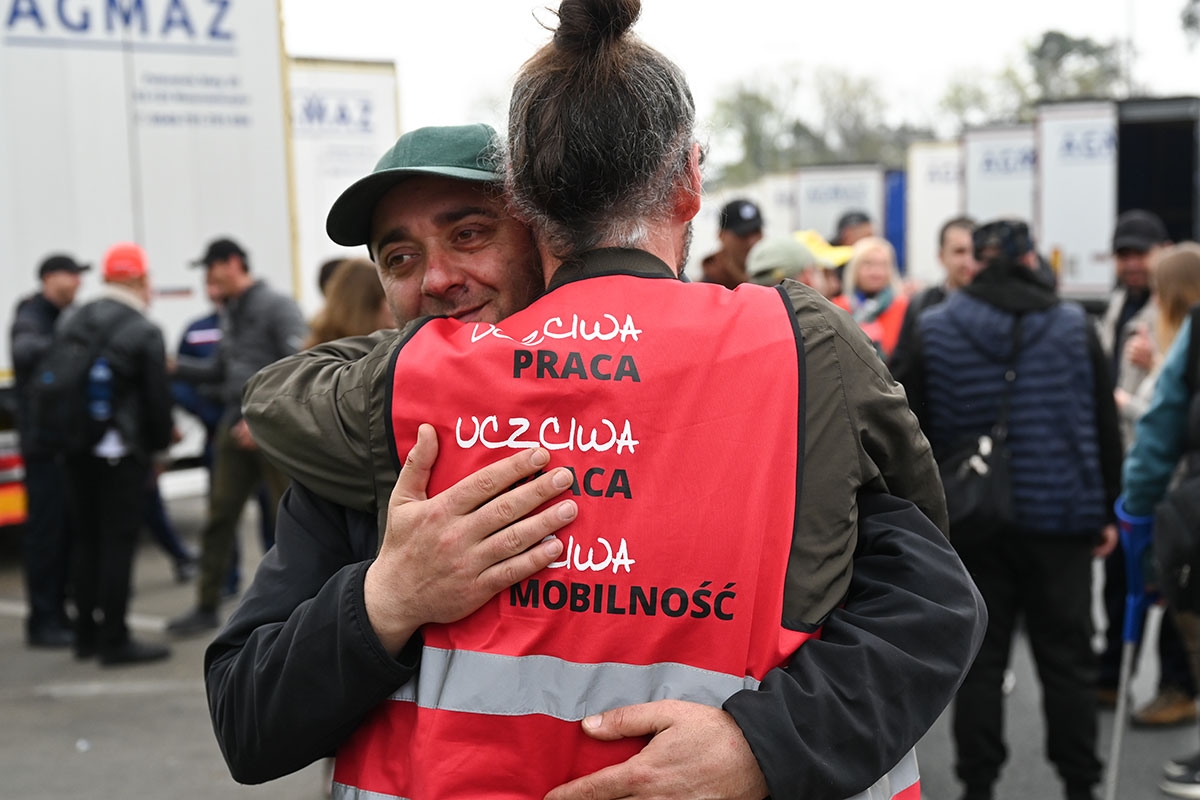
{"x": 72, "y": 729}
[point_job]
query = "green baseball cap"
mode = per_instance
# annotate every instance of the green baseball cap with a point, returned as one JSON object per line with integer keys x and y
{"x": 774, "y": 259}
{"x": 465, "y": 152}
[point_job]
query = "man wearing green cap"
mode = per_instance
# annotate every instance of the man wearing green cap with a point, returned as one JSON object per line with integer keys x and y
{"x": 320, "y": 624}
{"x": 448, "y": 219}
{"x": 780, "y": 257}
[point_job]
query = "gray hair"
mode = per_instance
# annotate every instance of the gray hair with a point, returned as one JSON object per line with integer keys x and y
{"x": 600, "y": 132}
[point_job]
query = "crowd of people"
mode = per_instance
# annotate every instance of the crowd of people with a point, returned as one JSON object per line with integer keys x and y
{"x": 737, "y": 614}
{"x": 994, "y": 339}
{"x": 110, "y": 475}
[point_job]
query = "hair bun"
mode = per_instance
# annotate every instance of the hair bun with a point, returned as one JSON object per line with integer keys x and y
{"x": 592, "y": 24}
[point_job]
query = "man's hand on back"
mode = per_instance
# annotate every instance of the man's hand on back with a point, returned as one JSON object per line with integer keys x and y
{"x": 444, "y": 557}
{"x": 696, "y": 751}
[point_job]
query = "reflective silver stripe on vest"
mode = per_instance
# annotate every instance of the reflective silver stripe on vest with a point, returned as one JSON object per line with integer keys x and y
{"x": 901, "y": 776}
{"x": 341, "y": 791}
{"x": 505, "y": 686}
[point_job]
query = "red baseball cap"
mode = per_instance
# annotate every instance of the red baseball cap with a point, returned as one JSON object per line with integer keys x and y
{"x": 124, "y": 261}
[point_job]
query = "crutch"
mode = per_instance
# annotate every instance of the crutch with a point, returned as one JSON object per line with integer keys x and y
{"x": 1136, "y": 535}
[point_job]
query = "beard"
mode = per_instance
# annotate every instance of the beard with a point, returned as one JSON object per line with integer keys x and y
{"x": 685, "y": 248}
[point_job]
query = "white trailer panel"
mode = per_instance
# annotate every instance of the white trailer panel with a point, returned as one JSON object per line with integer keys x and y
{"x": 934, "y": 196}
{"x": 157, "y": 121}
{"x": 344, "y": 116}
{"x": 1077, "y": 193}
{"x": 1000, "y": 167}
{"x": 825, "y": 193}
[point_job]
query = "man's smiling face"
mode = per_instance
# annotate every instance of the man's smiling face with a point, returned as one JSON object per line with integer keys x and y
{"x": 449, "y": 247}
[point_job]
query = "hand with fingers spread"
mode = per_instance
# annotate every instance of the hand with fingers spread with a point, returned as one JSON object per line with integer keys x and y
{"x": 697, "y": 751}
{"x": 445, "y": 556}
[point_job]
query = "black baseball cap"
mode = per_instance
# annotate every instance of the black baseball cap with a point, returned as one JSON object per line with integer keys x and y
{"x": 61, "y": 263}
{"x": 220, "y": 250}
{"x": 1009, "y": 237}
{"x": 741, "y": 217}
{"x": 1139, "y": 230}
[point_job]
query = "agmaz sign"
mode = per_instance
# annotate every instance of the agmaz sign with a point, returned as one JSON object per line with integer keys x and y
{"x": 117, "y": 22}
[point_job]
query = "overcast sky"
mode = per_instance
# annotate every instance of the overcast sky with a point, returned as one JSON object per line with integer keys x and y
{"x": 455, "y": 60}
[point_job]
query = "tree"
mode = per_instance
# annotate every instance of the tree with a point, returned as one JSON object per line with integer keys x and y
{"x": 769, "y": 137}
{"x": 854, "y": 122}
{"x": 853, "y": 115}
{"x": 758, "y": 122}
{"x": 1056, "y": 67}
{"x": 1064, "y": 67}
{"x": 968, "y": 100}
{"x": 1191, "y": 20}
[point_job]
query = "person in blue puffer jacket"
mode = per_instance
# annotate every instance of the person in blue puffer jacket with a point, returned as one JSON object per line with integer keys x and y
{"x": 1065, "y": 466}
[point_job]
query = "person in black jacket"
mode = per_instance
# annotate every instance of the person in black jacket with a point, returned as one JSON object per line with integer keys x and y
{"x": 107, "y": 484}
{"x": 1007, "y": 335}
{"x": 48, "y": 529}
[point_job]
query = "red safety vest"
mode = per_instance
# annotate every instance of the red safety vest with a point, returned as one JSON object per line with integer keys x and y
{"x": 677, "y": 408}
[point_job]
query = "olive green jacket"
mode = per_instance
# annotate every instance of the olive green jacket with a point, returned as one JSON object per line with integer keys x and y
{"x": 320, "y": 416}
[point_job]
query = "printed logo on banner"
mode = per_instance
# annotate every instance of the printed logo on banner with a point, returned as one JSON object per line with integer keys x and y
{"x": 333, "y": 112}
{"x": 1088, "y": 144}
{"x": 118, "y": 23}
{"x": 945, "y": 172}
{"x": 1009, "y": 160}
{"x": 837, "y": 193}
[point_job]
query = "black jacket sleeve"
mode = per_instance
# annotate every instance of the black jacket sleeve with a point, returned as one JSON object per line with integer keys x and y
{"x": 851, "y": 704}
{"x": 908, "y": 329}
{"x": 298, "y": 667}
{"x": 909, "y": 372}
{"x": 31, "y": 337}
{"x": 1108, "y": 430}
{"x": 156, "y": 393}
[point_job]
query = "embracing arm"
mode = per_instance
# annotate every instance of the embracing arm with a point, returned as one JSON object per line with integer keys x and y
{"x": 320, "y": 417}
{"x": 325, "y": 634}
{"x": 851, "y": 704}
{"x": 298, "y": 657}
{"x": 846, "y": 709}
{"x": 904, "y": 621}
{"x": 847, "y": 381}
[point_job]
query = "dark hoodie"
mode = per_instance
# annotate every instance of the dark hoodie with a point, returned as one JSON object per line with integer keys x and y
{"x": 1064, "y": 437}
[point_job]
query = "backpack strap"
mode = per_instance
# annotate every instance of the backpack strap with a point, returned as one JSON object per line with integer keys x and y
{"x": 101, "y": 336}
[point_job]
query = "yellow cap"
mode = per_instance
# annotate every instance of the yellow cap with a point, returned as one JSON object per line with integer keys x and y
{"x": 832, "y": 256}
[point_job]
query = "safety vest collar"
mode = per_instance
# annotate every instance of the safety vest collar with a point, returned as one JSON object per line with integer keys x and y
{"x": 611, "y": 261}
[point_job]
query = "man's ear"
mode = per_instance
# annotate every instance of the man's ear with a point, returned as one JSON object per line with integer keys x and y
{"x": 687, "y": 200}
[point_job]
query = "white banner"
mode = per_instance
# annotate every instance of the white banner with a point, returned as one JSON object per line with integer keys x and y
{"x": 1077, "y": 193}
{"x": 1001, "y": 164}
{"x": 934, "y": 197}
{"x": 156, "y": 121}
{"x": 826, "y": 193}
{"x": 344, "y": 117}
